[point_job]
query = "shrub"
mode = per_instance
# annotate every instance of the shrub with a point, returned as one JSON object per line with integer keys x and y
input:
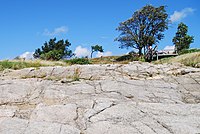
{"x": 129, "y": 57}
{"x": 80, "y": 61}
{"x": 77, "y": 73}
{"x": 51, "y": 55}
{"x": 53, "y": 50}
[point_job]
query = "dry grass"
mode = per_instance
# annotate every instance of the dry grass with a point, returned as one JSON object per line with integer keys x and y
{"x": 104, "y": 60}
{"x": 108, "y": 60}
{"x": 190, "y": 59}
{"x": 46, "y": 63}
{"x": 20, "y": 64}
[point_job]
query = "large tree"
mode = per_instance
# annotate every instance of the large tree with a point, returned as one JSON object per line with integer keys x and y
{"x": 182, "y": 40}
{"x": 53, "y": 50}
{"x": 145, "y": 27}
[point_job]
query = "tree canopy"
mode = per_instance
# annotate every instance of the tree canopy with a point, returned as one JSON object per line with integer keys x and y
{"x": 145, "y": 27}
{"x": 182, "y": 40}
{"x": 96, "y": 48}
{"x": 53, "y": 50}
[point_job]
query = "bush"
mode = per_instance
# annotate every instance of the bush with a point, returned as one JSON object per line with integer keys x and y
{"x": 80, "y": 61}
{"x": 51, "y": 55}
{"x": 129, "y": 57}
{"x": 53, "y": 50}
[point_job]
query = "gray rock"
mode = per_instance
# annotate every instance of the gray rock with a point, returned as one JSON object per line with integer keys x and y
{"x": 134, "y": 98}
{"x": 64, "y": 114}
{"x": 12, "y": 126}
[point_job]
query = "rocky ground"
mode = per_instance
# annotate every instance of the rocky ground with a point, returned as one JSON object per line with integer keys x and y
{"x": 101, "y": 99}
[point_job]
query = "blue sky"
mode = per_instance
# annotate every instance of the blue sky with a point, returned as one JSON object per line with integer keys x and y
{"x": 26, "y": 24}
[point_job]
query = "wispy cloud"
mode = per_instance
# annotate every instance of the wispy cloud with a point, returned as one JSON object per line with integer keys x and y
{"x": 81, "y": 51}
{"x": 27, "y": 55}
{"x": 169, "y": 48}
{"x": 104, "y": 37}
{"x": 99, "y": 54}
{"x": 56, "y": 31}
{"x": 179, "y": 15}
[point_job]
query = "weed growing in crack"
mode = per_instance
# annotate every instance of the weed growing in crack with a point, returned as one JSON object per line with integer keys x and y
{"x": 41, "y": 76}
{"x": 76, "y": 75}
{"x": 53, "y": 78}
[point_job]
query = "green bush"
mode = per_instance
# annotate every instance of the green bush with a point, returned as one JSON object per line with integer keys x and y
{"x": 54, "y": 50}
{"x": 52, "y": 55}
{"x": 80, "y": 61}
{"x": 129, "y": 57}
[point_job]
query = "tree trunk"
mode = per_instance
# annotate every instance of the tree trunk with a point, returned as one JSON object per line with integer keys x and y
{"x": 91, "y": 54}
{"x": 144, "y": 50}
{"x": 140, "y": 51}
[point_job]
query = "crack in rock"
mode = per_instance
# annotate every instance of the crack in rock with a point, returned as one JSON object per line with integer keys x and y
{"x": 100, "y": 111}
{"x": 165, "y": 126}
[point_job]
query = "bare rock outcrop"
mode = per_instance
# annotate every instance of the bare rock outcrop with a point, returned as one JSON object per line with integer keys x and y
{"x": 95, "y": 99}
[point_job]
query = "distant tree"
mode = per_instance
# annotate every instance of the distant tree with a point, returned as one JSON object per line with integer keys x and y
{"x": 53, "y": 50}
{"x": 37, "y": 53}
{"x": 182, "y": 40}
{"x": 145, "y": 27}
{"x": 96, "y": 48}
{"x": 17, "y": 58}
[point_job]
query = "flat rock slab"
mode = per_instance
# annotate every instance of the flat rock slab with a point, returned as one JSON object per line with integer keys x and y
{"x": 101, "y": 99}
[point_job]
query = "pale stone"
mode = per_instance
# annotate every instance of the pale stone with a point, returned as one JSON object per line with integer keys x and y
{"x": 55, "y": 113}
{"x": 134, "y": 98}
{"x": 12, "y": 126}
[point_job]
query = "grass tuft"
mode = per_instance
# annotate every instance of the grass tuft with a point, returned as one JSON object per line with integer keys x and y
{"x": 18, "y": 65}
{"x": 80, "y": 61}
{"x": 189, "y": 59}
{"x": 77, "y": 73}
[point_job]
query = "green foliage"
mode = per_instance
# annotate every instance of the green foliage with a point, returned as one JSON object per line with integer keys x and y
{"x": 130, "y": 57}
{"x": 52, "y": 55}
{"x": 124, "y": 58}
{"x": 17, "y": 65}
{"x": 80, "y": 61}
{"x": 145, "y": 27}
{"x": 182, "y": 40}
{"x": 96, "y": 48}
{"x": 54, "y": 50}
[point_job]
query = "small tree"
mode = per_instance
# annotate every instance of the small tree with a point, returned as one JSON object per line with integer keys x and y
{"x": 145, "y": 27}
{"x": 182, "y": 40}
{"x": 96, "y": 48}
{"x": 53, "y": 50}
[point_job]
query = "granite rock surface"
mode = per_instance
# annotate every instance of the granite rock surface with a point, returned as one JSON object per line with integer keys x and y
{"x": 137, "y": 98}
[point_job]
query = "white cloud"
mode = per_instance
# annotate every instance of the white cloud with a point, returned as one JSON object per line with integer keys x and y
{"x": 169, "y": 48}
{"x": 56, "y": 31}
{"x": 179, "y": 15}
{"x": 104, "y": 37}
{"x": 81, "y": 52}
{"x": 99, "y": 54}
{"x": 27, "y": 55}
